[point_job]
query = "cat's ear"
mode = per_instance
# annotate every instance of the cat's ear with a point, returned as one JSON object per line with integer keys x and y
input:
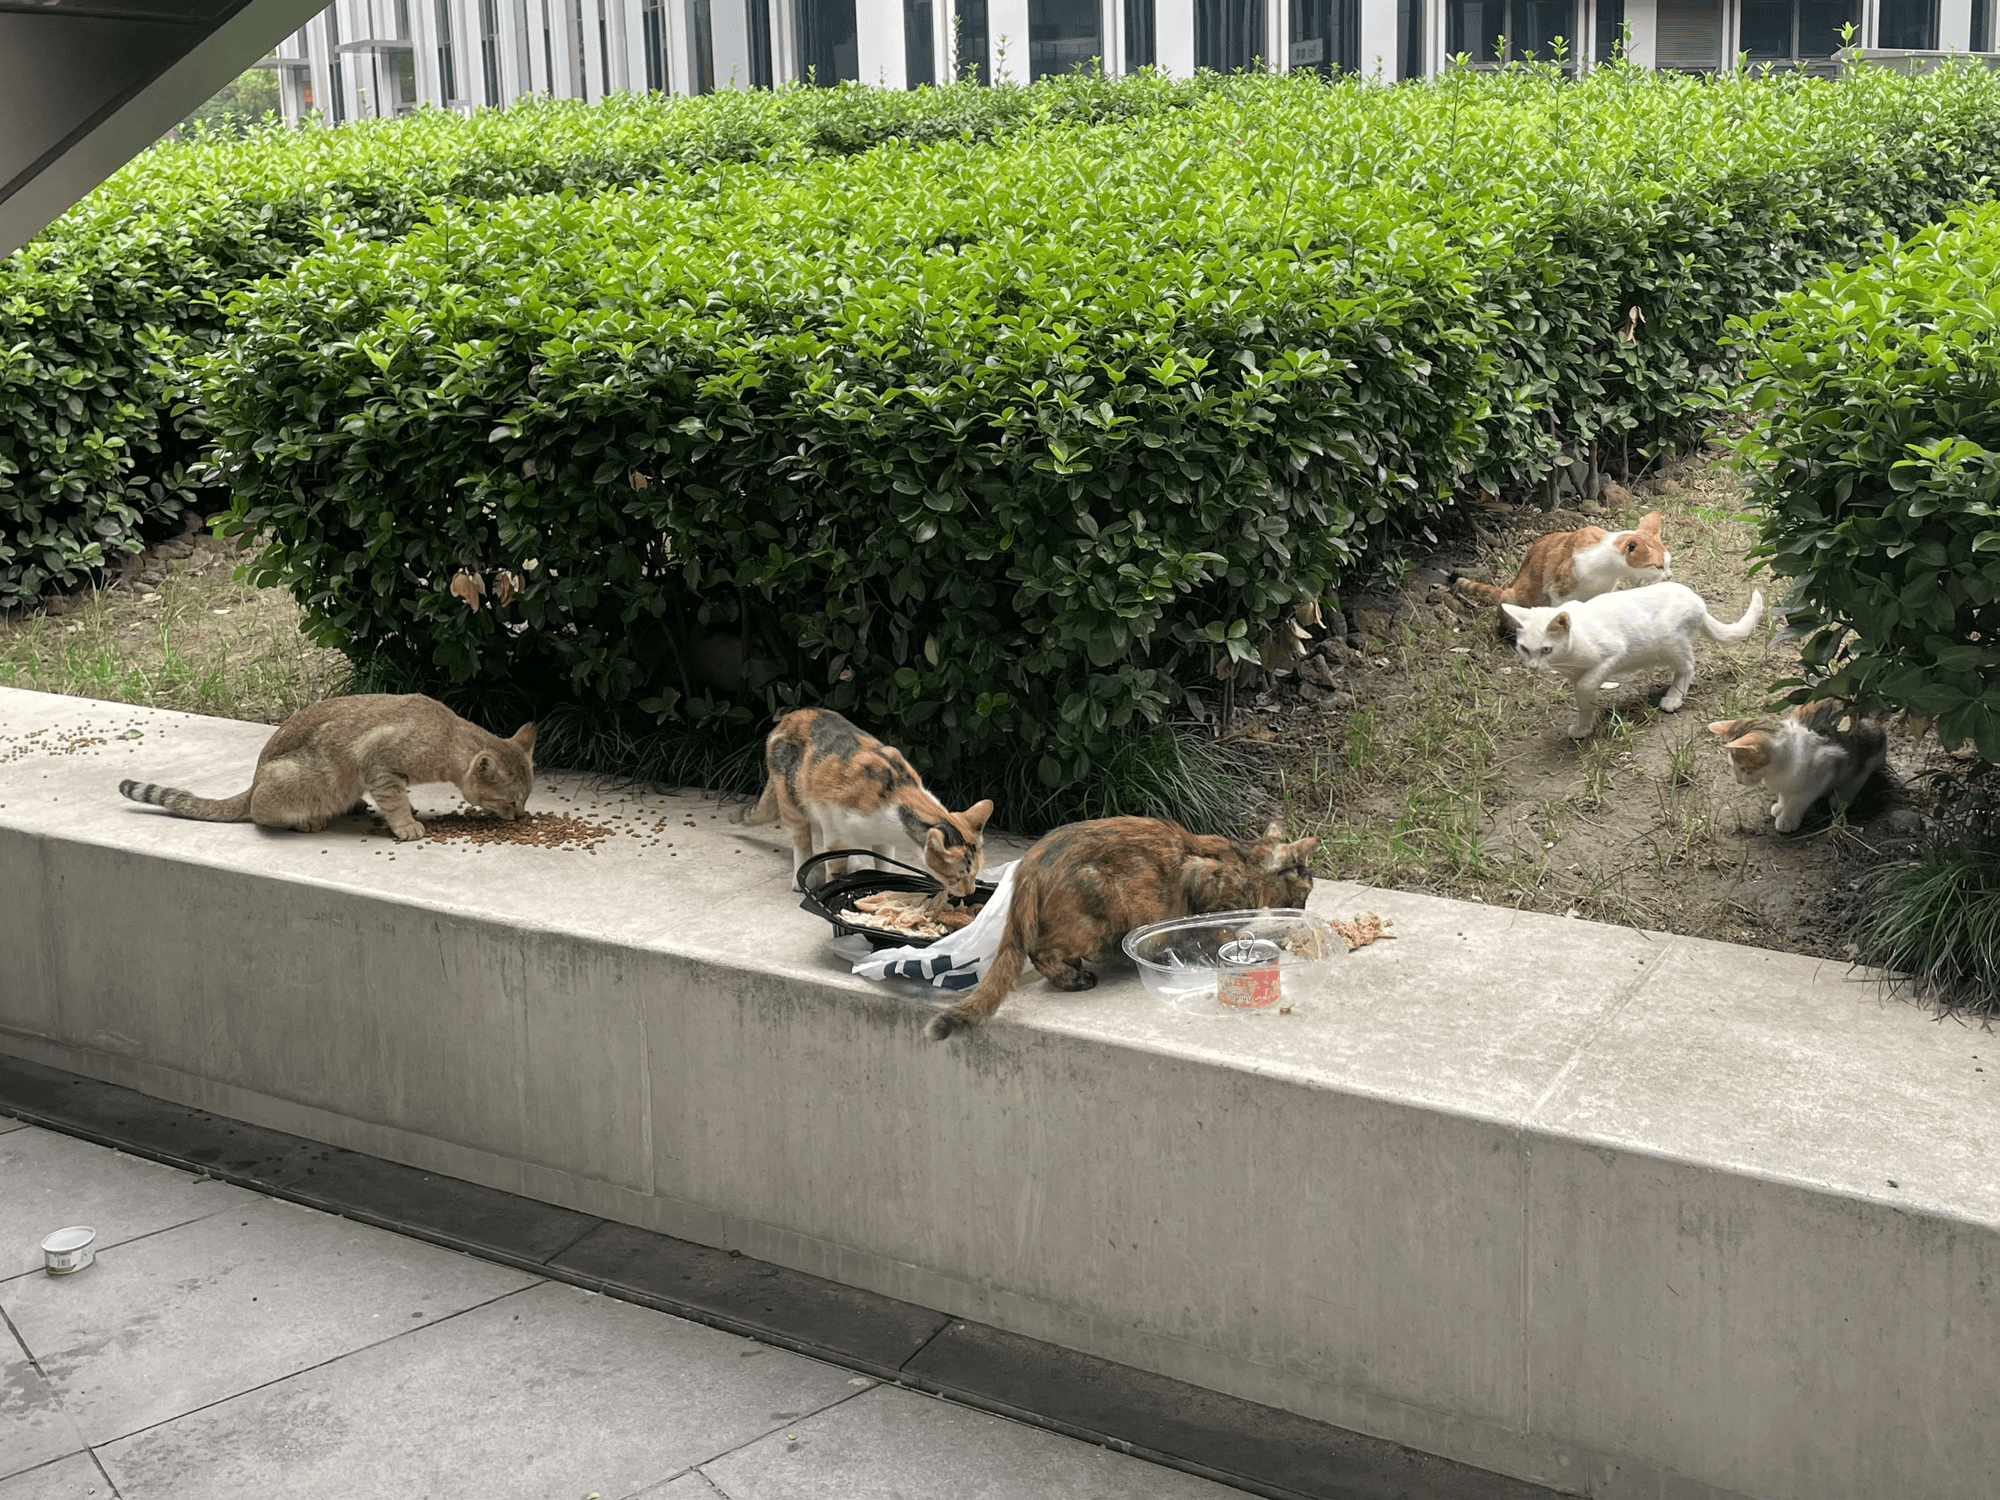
{"x": 976, "y": 815}
{"x": 485, "y": 766}
{"x": 1650, "y": 522}
{"x": 1302, "y": 850}
{"x": 1724, "y": 728}
{"x": 1515, "y": 613}
{"x": 1274, "y": 832}
{"x": 524, "y": 737}
{"x": 1559, "y": 625}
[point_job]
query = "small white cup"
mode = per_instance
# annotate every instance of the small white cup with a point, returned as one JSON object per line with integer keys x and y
{"x": 69, "y": 1250}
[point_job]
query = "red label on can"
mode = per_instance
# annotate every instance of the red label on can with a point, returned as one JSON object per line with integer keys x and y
{"x": 1248, "y": 989}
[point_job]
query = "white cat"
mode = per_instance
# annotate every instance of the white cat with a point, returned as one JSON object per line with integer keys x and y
{"x": 1816, "y": 750}
{"x": 1595, "y": 642}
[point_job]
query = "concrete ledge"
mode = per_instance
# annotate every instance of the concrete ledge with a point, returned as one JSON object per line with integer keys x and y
{"x": 1612, "y": 1212}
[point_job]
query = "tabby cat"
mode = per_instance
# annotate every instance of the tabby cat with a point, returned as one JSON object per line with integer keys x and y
{"x": 835, "y": 787}
{"x": 321, "y": 760}
{"x": 1594, "y": 642}
{"x": 1080, "y": 889}
{"x": 1581, "y": 564}
{"x": 1816, "y": 750}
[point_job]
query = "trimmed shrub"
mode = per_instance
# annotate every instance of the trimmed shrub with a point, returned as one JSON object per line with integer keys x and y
{"x": 100, "y": 435}
{"x": 1877, "y": 474}
{"x": 1001, "y": 446}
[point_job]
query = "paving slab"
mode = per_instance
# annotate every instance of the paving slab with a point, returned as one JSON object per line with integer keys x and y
{"x": 547, "y": 1392}
{"x": 50, "y": 1181}
{"x": 35, "y": 1429}
{"x": 192, "y": 1315}
{"x": 74, "y": 1478}
{"x": 894, "y": 1444}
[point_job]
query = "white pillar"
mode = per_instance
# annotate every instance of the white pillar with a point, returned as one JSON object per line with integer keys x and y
{"x": 1378, "y": 40}
{"x": 729, "y": 26}
{"x": 878, "y": 37}
{"x": 1007, "y": 31}
{"x": 1955, "y": 25}
{"x": 1173, "y": 36}
{"x": 1643, "y": 17}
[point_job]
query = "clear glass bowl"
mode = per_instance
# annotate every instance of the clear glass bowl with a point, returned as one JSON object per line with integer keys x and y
{"x": 1180, "y": 961}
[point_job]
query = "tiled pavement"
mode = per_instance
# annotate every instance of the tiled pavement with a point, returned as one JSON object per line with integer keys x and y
{"x": 227, "y": 1344}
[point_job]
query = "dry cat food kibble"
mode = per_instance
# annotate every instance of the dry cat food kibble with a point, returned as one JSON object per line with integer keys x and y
{"x": 543, "y": 830}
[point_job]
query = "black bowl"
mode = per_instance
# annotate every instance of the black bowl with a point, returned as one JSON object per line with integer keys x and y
{"x": 834, "y": 898}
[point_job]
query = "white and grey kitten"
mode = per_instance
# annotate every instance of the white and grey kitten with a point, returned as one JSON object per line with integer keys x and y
{"x": 1594, "y": 643}
{"x": 1816, "y": 750}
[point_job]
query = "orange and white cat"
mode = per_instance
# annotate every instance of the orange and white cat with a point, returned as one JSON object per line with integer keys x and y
{"x": 1565, "y": 566}
{"x": 1080, "y": 889}
{"x": 835, "y": 787}
{"x": 1816, "y": 750}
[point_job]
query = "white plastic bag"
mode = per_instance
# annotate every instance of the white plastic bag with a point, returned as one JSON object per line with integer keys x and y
{"x": 956, "y": 960}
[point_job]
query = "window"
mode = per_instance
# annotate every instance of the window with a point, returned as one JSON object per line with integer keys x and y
{"x": 333, "y": 62}
{"x": 1228, "y": 34}
{"x": 1142, "y": 50}
{"x": 403, "y": 78}
{"x": 548, "y": 52}
{"x": 1509, "y": 30}
{"x": 1794, "y": 30}
{"x": 1610, "y": 30}
{"x": 1690, "y": 35}
{"x": 603, "y": 52}
{"x": 828, "y": 51}
{"x": 761, "y": 75}
{"x": 1409, "y": 39}
{"x": 579, "y": 62}
{"x": 653, "y": 32}
{"x": 524, "y": 48}
{"x": 701, "y": 43}
{"x": 447, "y": 74}
{"x": 1062, "y": 37}
{"x": 1909, "y": 23}
{"x": 1326, "y": 35}
{"x": 489, "y": 47}
{"x": 969, "y": 42}
{"x": 1982, "y": 25}
{"x": 919, "y": 45}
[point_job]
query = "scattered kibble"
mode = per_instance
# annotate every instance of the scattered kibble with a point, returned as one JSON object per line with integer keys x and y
{"x": 542, "y": 830}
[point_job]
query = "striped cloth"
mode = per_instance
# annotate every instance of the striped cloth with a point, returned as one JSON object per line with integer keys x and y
{"x": 956, "y": 960}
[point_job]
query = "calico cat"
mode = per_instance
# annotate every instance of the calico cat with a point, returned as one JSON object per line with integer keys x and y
{"x": 1594, "y": 642}
{"x": 1569, "y": 565}
{"x": 835, "y": 787}
{"x": 1080, "y": 889}
{"x": 1816, "y": 750}
{"x": 315, "y": 768}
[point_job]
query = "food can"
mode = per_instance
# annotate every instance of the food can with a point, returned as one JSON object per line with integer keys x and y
{"x": 1248, "y": 978}
{"x": 69, "y": 1250}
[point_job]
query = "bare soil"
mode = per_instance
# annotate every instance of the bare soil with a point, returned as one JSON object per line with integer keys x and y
{"x": 1428, "y": 759}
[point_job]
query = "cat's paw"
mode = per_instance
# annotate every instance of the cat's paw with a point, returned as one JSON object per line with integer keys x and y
{"x": 1579, "y": 730}
{"x": 1671, "y": 704}
{"x": 407, "y": 832}
{"x": 1789, "y": 822}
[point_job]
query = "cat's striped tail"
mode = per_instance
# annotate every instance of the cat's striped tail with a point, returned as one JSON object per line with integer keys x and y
{"x": 997, "y": 983}
{"x": 1742, "y": 628}
{"x": 1472, "y": 588}
{"x": 187, "y": 805}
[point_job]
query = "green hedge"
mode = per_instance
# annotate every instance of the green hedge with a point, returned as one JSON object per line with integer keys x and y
{"x": 1002, "y": 445}
{"x": 1877, "y": 474}
{"x": 100, "y": 438}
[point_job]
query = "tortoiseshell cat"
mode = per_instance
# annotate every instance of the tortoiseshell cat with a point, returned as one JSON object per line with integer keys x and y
{"x": 1080, "y": 889}
{"x": 1565, "y": 566}
{"x": 1816, "y": 750}
{"x": 835, "y": 787}
{"x": 320, "y": 761}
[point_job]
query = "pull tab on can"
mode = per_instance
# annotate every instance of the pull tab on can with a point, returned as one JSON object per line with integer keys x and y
{"x": 1248, "y": 979}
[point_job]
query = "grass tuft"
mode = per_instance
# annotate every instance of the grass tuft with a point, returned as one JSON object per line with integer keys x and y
{"x": 1934, "y": 923}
